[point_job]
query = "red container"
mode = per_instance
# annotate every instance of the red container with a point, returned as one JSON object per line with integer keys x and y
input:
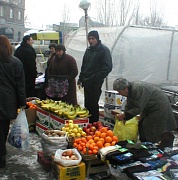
{"x": 44, "y": 161}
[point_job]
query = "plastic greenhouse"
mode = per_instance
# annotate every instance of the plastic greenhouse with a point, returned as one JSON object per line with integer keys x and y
{"x": 139, "y": 53}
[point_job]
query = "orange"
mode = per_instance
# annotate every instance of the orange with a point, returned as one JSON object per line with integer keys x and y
{"x": 95, "y": 147}
{"x": 113, "y": 143}
{"x": 77, "y": 140}
{"x": 96, "y": 139}
{"x": 107, "y": 144}
{"x": 103, "y": 135}
{"x": 89, "y": 137}
{"x": 82, "y": 144}
{"x": 84, "y": 151}
{"x": 83, "y": 139}
{"x": 80, "y": 148}
{"x": 115, "y": 138}
{"x": 102, "y": 139}
{"x": 97, "y": 133}
{"x": 90, "y": 152}
{"x": 110, "y": 133}
{"x": 99, "y": 144}
{"x": 75, "y": 144}
{"x": 108, "y": 139}
{"x": 103, "y": 130}
{"x": 91, "y": 147}
{"x": 95, "y": 151}
{"x": 91, "y": 141}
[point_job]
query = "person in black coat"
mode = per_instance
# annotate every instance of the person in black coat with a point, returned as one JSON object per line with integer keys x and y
{"x": 96, "y": 65}
{"x": 12, "y": 92}
{"x": 26, "y": 53}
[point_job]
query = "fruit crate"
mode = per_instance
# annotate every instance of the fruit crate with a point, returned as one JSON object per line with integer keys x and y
{"x": 44, "y": 161}
{"x": 88, "y": 157}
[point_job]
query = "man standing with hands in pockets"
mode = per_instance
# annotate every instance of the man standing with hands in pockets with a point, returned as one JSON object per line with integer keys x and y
{"x": 96, "y": 65}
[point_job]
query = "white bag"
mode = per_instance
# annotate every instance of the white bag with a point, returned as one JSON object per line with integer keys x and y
{"x": 63, "y": 162}
{"x": 19, "y": 134}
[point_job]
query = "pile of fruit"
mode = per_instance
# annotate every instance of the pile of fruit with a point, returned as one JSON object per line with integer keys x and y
{"x": 101, "y": 138}
{"x": 92, "y": 127}
{"x": 63, "y": 109}
{"x": 31, "y": 105}
{"x": 69, "y": 155}
{"x": 73, "y": 130}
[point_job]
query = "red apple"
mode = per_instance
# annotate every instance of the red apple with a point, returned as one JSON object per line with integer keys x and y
{"x": 84, "y": 129}
{"x": 95, "y": 124}
{"x": 92, "y": 133}
{"x": 88, "y": 130}
{"x": 100, "y": 127}
{"x": 93, "y": 129}
{"x": 89, "y": 125}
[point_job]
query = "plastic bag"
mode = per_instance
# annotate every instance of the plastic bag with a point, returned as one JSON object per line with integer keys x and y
{"x": 50, "y": 146}
{"x": 127, "y": 131}
{"x": 19, "y": 134}
{"x": 58, "y": 155}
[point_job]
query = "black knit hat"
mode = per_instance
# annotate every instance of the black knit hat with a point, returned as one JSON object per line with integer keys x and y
{"x": 94, "y": 34}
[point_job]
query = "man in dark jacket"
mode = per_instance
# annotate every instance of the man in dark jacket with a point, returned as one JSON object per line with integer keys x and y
{"x": 153, "y": 106}
{"x": 26, "y": 53}
{"x": 96, "y": 65}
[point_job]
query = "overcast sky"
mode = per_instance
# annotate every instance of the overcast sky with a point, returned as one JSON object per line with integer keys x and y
{"x": 43, "y": 12}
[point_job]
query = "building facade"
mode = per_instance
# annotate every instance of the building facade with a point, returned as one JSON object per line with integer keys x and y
{"x": 12, "y": 19}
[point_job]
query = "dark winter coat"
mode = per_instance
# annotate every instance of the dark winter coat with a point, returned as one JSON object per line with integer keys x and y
{"x": 12, "y": 88}
{"x": 96, "y": 65}
{"x": 65, "y": 66}
{"x": 154, "y": 107}
{"x": 27, "y": 55}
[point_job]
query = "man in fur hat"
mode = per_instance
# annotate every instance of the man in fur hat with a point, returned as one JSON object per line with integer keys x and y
{"x": 96, "y": 65}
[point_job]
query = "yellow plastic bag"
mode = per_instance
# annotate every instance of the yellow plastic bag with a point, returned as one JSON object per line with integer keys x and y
{"x": 127, "y": 131}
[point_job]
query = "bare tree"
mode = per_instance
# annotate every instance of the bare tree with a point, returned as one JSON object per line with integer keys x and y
{"x": 155, "y": 18}
{"x": 65, "y": 14}
{"x": 116, "y": 12}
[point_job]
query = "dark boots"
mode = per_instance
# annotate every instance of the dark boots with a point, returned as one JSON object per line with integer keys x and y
{"x": 2, "y": 161}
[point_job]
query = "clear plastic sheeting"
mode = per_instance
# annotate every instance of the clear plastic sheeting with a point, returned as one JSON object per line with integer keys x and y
{"x": 139, "y": 53}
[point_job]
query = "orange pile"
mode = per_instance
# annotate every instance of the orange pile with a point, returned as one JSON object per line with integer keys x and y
{"x": 31, "y": 105}
{"x": 100, "y": 139}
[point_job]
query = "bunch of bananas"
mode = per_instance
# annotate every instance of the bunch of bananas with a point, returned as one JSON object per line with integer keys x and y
{"x": 63, "y": 109}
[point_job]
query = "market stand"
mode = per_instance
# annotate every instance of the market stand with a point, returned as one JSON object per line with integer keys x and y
{"x": 95, "y": 165}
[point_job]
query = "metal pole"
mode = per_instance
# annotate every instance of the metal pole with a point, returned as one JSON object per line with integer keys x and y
{"x": 170, "y": 53}
{"x": 86, "y": 25}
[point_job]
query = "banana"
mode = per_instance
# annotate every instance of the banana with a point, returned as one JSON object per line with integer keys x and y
{"x": 81, "y": 112}
{"x": 72, "y": 116}
{"x": 84, "y": 115}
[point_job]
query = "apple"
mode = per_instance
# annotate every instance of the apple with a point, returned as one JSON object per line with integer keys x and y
{"x": 89, "y": 125}
{"x": 84, "y": 128}
{"x": 92, "y": 133}
{"x": 88, "y": 131}
{"x": 93, "y": 129}
{"x": 95, "y": 124}
{"x": 101, "y": 126}
{"x": 99, "y": 123}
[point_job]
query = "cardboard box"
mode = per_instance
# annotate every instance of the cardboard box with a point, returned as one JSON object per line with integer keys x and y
{"x": 31, "y": 115}
{"x": 57, "y": 122}
{"x": 42, "y": 116}
{"x": 113, "y": 98}
{"x": 108, "y": 110}
{"x": 40, "y": 128}
{"x": 69, "y": 173}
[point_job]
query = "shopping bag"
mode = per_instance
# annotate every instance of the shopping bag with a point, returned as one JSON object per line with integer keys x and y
{"x": 19, "y": 133}
{"x": 127, "y": 131}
